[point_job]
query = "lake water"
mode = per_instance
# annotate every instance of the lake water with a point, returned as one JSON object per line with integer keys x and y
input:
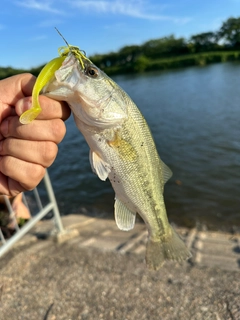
{"x": 194, "y": 115}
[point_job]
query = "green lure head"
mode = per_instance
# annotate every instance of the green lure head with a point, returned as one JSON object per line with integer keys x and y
{"x": 79, "y": 54}
{"x": 46, "y": 74}
{"x": 64, "y": 51}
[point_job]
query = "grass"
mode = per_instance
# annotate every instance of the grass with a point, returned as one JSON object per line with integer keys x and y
{"x": 197, "y": 59}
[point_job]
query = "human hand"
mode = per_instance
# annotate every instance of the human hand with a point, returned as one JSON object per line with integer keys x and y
{"x": 27, "y": 150}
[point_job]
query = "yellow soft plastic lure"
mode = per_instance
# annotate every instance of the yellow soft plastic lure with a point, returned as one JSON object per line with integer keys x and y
{"x": 45, "y": 76}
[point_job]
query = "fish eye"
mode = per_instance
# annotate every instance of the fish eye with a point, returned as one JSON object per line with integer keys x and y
{"x": 92, "y": 72}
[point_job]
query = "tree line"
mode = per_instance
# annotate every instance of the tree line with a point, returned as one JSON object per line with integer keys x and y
{"x": 167, "y": 52}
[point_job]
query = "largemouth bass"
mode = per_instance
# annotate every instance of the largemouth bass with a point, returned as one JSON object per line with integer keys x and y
{"x": 121, "y": 147}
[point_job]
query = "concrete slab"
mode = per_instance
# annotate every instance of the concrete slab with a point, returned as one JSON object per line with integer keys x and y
{"x": 86, "y": 277}
{"x": 209, "y": 248}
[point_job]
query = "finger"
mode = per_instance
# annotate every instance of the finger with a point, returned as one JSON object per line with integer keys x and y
{"x": 39, "y": 152}
{"x": 38, "y": 130}
{"x": 26, "y": 173}
{"x": 10, "y": 187}
{"x": 51, "y": 109}
{"x": 5, "y": 110}
{"x": 16, "y": 87}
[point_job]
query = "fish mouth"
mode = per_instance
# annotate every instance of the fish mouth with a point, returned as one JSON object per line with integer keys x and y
{"x": 70, "y": 64}
{"x": 73, "y": 61}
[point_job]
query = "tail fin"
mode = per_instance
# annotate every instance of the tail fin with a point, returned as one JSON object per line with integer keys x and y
{"x": 171, "y": 249}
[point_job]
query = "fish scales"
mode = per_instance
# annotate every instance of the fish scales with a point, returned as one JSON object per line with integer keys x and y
{"x": 121, "y": 149}
{"x": 138, "y": 177}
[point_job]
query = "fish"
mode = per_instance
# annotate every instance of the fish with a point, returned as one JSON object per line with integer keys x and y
{"x": 122, "y": 148}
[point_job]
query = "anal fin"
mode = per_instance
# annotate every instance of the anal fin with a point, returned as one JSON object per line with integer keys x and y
{"x": 125, "y": 219}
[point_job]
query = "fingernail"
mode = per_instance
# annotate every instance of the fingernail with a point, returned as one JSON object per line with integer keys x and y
{"x": 4, "y": 128}
{"x": 23, "y": 105}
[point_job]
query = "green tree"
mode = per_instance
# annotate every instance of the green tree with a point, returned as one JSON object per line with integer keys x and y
{"x": 230, "y": 32}
{"x": 165, "y": 47}
{"x": 203, "y": 42}
{"x": 129, "y": 53}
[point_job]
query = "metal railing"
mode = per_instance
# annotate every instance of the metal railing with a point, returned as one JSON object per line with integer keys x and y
{"x": 43, "y": 210}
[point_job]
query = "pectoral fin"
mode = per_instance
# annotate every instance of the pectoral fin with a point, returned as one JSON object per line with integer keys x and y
{"x": 125, "y": 219}
{"x": 99, "y": 166}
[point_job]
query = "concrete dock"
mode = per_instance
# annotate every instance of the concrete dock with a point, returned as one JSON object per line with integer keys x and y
{"x": 95, "y": 271}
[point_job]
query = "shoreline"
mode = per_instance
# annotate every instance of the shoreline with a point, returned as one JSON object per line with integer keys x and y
{"x": 199, "y": 59}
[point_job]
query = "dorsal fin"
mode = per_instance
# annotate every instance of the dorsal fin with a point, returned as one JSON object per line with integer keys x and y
{"x": 166, "y": 171}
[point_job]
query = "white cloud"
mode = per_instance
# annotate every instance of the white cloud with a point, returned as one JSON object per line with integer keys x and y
{"x": 38, "y": 5}
{"x": 133, "y": 8}
{"x": 141, "y": 9}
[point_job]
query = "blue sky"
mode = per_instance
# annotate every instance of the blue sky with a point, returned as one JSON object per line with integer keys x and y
{"x": 28, "y": 38}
